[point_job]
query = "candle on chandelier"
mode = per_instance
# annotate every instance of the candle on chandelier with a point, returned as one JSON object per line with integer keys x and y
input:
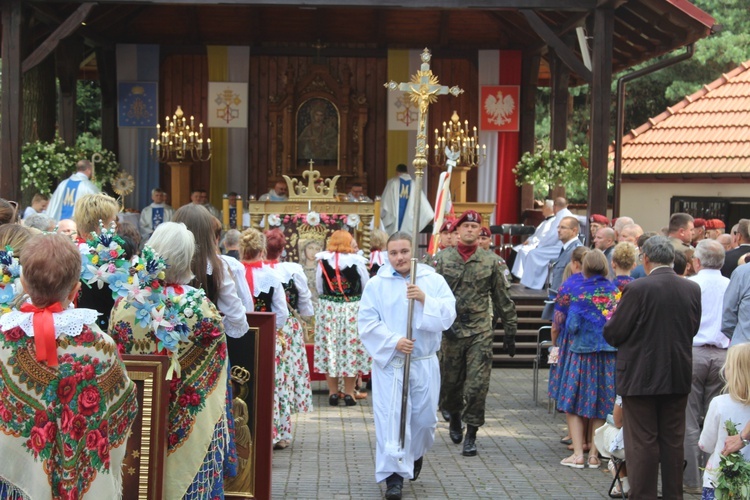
{"x": 192, "y": 121}
{"x": 209, "y": 144}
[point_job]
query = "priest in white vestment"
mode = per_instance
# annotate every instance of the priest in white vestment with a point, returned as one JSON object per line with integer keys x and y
{"x": 383, "y": 315}
{"x": 535, "y": 265}
{"x": 532, "y": 241}
{"x": 397, "y": 204}
{"x": 64, "y": 198}
{"x": 154, "y": 214}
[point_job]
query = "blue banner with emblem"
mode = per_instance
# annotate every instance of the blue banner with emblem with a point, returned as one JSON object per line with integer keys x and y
{"x": 157, "y": 216}
{"x": 404, "y": 189}
{"x": 137, "y": 104}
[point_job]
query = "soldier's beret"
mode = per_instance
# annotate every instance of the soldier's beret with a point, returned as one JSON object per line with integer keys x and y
{"x": 715, "y": 224}
{"x": 469, "y": 216}
{"x": 699, "y": 222}
{"x": 485, "y": 231}
{"x": 446, "y": 227}
{"x": 599, "y": 219}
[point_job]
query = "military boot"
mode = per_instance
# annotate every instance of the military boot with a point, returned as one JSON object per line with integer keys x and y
{"x": 470, "y": 445}
{"x": 456, "y": 431}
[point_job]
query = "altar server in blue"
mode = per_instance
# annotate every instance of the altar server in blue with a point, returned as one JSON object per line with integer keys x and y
{"x": 68, "y": 191}
{"x": 383, "y": 316}
{"x": 154, "y": 214}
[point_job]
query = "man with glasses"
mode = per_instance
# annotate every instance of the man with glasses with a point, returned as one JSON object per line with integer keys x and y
{"x": 62, "y": 203}
{"x": 567, "y": 233}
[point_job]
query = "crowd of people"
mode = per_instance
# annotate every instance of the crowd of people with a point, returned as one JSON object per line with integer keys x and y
{"x": 642, "y": 326}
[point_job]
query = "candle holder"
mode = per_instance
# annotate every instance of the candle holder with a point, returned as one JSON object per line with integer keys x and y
{"x": 458, "y": 138}
{"x": 178, "y": 141}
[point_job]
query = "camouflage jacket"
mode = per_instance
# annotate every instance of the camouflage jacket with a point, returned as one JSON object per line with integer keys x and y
{"x": 472, "y": 282}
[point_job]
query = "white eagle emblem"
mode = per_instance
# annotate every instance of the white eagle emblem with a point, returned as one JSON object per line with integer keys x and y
{"x": 499, "y": 109}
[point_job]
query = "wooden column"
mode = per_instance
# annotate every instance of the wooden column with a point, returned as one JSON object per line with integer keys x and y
{"x": 105, "y": 62}
{"x": 180, "y": 187}
{"x": 559, "y": 111}
{"x": 10, "y": 107}
{"x": 600, "y": 109}
{"x": 529, "y": 81}
{"x": 68, "y": 56}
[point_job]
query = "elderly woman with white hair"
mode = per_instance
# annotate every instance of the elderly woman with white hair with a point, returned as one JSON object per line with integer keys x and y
{"x": 191, "y": 333}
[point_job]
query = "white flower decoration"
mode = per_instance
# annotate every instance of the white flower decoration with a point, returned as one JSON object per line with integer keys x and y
{"x": 274, "y": 220}
{"x": 313, "y": 219}
{"x": 188, "y": 312}
{"x": 352, "y": 220}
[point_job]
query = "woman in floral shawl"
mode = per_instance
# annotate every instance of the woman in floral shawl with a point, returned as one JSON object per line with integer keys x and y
{"x": 66, "y": 402}
{"x": 587, "y": 372}
{"x": 172, "y": 318}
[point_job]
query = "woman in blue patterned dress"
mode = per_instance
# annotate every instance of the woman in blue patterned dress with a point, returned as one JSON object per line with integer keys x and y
{"x": 587, "y": 372}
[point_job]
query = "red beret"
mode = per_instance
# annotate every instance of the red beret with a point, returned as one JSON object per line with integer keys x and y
{"x": 469, "y": 216}
{"x": 699, "y": 222}
{"x": 446, "y": 226}
{"x": 599, "y": 219}
{"x": 485, "y": 231}
{"x": 715, "y": 224}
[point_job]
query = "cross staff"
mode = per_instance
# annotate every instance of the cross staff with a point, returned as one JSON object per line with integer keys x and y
{"x": 423, "y": 90}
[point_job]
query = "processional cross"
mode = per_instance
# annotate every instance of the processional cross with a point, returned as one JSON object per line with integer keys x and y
{"x": 423, "y": 90}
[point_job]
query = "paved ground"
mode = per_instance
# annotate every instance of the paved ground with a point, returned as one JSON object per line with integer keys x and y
{"x": 332, "y": 454}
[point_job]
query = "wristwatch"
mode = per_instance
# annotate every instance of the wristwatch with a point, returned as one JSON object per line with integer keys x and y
{"x": 745, "y": 442}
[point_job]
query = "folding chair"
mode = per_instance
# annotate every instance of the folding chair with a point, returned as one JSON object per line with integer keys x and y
{"x": 619, "y": 463}
{"x": 543, "y": 342}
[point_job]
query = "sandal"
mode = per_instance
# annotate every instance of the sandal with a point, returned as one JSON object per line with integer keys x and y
{"x": 596, "y": 462}
{"x": 566, "y": 440}
{"x": 572, "y": 461}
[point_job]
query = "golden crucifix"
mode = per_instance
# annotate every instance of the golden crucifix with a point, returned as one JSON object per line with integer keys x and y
{"x": 423, "y": 90}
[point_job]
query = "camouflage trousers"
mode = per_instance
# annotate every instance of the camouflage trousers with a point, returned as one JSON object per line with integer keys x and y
{"x": 466, "y": 366}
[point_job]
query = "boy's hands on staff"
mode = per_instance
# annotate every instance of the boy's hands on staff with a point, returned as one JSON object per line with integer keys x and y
{"x": 405, "y": 345}
{"x": 413, "y": 292}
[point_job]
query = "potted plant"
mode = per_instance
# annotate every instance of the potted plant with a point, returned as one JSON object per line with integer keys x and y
{"x": 546, "y": 169}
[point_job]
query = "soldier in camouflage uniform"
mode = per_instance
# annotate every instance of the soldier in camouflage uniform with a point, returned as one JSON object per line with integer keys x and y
{"x": 473, "y": 275}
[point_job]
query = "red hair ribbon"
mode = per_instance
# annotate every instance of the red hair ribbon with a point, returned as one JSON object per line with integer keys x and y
{"x": 44, "y": 331}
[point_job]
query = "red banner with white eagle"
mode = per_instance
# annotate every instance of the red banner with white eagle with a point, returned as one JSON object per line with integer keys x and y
{"x": 500, "y": 106}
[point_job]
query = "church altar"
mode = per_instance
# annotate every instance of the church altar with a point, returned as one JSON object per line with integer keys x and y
{"x": 312, "y": 212}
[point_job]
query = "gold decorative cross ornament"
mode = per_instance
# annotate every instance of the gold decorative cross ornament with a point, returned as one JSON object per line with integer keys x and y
{"x": 423, "y": 90}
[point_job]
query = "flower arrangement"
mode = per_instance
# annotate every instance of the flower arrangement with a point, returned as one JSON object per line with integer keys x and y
{"x": 103, "y": 263}
{"x": 733, "y": 480}
{"x": 545, "y": 169}
{"x": 312, "y": 218}
{"x": 43, "y": 164}
{"x": 10, "y": 284}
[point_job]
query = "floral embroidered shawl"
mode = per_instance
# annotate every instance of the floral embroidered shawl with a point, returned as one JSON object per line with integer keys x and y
{"x": 198, "y": 394}
{"x": 63, "y": 430}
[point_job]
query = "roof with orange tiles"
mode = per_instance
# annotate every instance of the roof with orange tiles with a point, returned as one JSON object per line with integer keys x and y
{"x": 705, "y": 134}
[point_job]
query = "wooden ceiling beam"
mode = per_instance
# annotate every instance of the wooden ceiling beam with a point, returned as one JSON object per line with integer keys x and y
{"x": 571, "y": 5}
{"x": 66, "y": 28}
{"x": 573, "y": 22}
{"x": 46, "y": 15}
{"x": 553, "y": 41}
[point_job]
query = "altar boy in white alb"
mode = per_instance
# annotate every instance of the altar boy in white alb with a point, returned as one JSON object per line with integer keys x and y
{"x": 383, "y": 313}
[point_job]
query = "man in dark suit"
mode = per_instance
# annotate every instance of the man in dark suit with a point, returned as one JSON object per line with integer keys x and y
{"x": 567, "y": 233}
{"x": 730, "y": 261}
{"x": 653, "y": 329}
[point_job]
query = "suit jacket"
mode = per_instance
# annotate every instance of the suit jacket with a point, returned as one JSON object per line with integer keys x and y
{"x": 731, "y": 258}
{"x": 653, "y": 328}
{"x": 556, "y": 280}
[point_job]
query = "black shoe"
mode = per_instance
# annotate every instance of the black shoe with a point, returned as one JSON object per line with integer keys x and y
{"x": 417, "y": 469}
{"x": 470, "y": 445}
{"x": 349, "y": 401}
{"x": 456, "y": 431}
{"x": 446, "y": 415}
{"x": 333, "y": 400}
{"x": 394, "y": 484}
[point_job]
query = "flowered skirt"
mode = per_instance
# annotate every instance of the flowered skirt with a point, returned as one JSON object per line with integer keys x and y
{"x": 299, "y": 381}
{"x": 338, "y": 350}
{"x": 282, "y": 398}
{"x": 587, "y": 384}
{"x": 563, "y": 342}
